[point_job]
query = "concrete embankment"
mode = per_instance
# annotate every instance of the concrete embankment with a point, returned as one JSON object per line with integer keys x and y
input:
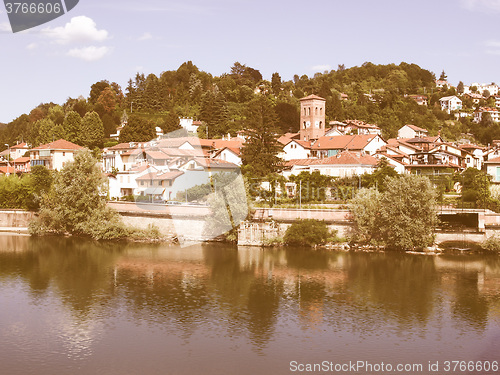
{"x": 15, "y": 221}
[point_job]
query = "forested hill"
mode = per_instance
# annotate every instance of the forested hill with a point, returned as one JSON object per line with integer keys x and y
{"x": 376, "y": 94}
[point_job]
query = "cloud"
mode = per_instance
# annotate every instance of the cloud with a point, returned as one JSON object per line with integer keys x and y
{"x": 481, "y": 5}
{"x": 91, "y": 53}
{"x": 321, "y": 68}
{"x": 492, "y": 47}
{"x": 31, "y": 46}
{"x": 145, "y": 36}
{"x": 80, "y": 29}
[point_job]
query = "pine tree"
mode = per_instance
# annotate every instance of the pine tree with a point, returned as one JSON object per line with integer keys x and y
{"x": 260, "y": 151}
{"x": 72, "y": 125}
{"x": 92, "y": 132}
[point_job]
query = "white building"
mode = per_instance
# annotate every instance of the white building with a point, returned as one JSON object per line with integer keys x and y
{"x": 54, "y": 155}
{"x": 412, "y": 131}
{"x": 450, "y": 103}
{"x": 494, "y": 113}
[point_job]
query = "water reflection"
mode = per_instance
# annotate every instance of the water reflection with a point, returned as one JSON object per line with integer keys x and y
{"x": 81, "y": 296}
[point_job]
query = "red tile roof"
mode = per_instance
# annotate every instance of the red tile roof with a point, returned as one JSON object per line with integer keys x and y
{"x": 5, "y": 170}
{"x": 160, "y": 176}
{"x": 22, "y": 160}
{"x": 60, "y": 144}
{"x": 341, "y": 142}
{"x": 21, "y": 145}
{"x": 344, "y": 158}
{"x": 416, "y": 128}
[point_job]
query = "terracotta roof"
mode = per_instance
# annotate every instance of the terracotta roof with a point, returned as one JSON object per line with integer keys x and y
{"x": 493, "y": 161}
{"x": 157, "y": 155}
{"x": 216, "y": 163}
{"x": 160, "y": 176}
{"x": 122, "y": 146}
{"x": 416, "y": 128}
{"x": 22, "y": 160}
{"x": 5, "y": 170}
{"x": 418, "y": 140}
{"x": 340, "y": 142}
{"x": 60, "y": 144}
{"x": 313, "y": 97}
{"x": 21, "y": 145}
{"x": 344, "y": 158}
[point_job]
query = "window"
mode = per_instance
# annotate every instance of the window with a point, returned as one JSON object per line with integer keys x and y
{"x": 64, "y": 154}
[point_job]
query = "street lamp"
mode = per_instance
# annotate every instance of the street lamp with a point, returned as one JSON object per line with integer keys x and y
{"x": 8, "y": 158}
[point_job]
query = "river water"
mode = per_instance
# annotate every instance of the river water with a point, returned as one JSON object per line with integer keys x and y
{"x": 72, "y": 306}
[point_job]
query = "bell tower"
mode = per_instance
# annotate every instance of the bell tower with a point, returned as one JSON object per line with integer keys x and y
{"x": 312, "y": 117}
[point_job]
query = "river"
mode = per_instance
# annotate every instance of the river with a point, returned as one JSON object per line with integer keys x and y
{"x": 72, "y": 306}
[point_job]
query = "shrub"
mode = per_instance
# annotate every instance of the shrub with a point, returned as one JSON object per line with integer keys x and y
{"x": 402, "y": 218}
{"x": 491, "y": 244}
{"x": 309, "y": 232}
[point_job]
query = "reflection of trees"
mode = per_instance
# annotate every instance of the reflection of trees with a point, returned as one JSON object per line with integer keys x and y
{"x": 400, "y": 283}
{"x": 468, "y": 304}
{"x": 75, "y": 266}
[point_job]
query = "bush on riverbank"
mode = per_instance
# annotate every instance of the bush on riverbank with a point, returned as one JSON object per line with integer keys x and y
{"x": 401, "y": 218}
{"x": 491, "y": 244}
{"x": 76, "y": 205}
{"x": 308, "y": 232}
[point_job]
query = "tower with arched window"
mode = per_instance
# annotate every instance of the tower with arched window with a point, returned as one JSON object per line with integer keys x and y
{"x": 312, "y": 117}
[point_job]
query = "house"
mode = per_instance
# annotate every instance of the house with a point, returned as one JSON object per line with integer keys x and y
{"x": 492, "y": 88}
{"x": 344, "y": 164}
{"x": 190, "y": 125}
{"x": 494, "y": 113}
{"x": 19, "y": 150}
{"x": 420, "y": 99}
{"x": 22, "y": 164}
{"x": 124, "y": 183}
{"x": 352, "y": 127}
{"x": 159, "y": 185}
{"x": 441, "y": 83}
{"x": 474, "y": 97}
{"x": 398, "y": 163}
{"x": 330, "y": 146}
{"x": 493, "y": 169}
{"x": 54, "y": 155}
{"x": 230, "y": 154}
{"x": 412, "y": 131}
{"x": 294, "y": 149}
{"x": 450, "y": 104}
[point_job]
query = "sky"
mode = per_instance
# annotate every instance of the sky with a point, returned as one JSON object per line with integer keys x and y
{"x": 113, "y": 40}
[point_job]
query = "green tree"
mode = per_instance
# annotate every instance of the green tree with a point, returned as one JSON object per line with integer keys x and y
{"x": 378, "y": 177}
{"x": 460, "y": 87}
{"x": 108, "y": 100}
{"x": 170, "y": 122}
{"x": 72, "y": 126}
{"x": 76, "y": 203}
{"x": 365, "y": 208}
{"x": 405, "y": 214}
{"x": 138, "y": 129}
{"x": 214, "y": 113}
{"x": 260, "y": 152}
{"x": 276, "y": 83}
{"x": 92, "y": 133}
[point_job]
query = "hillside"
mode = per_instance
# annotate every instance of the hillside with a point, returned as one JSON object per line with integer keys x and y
{"x": 372, "y": 93}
